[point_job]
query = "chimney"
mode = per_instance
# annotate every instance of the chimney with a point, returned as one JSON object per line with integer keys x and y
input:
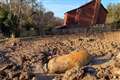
{"x": 96, "y": 11}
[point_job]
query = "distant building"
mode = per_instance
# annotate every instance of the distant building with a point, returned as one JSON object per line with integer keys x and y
{"x": 89, "y": 14}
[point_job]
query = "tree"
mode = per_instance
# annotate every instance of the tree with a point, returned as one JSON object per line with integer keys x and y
{"x": 7, "y": 22}
{"x": 29, "y": 14}
{"x": 113, "y": 12}
{"x": 114, "y": 15}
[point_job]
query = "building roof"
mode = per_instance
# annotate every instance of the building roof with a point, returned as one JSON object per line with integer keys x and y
{"x": 86, "y": 5}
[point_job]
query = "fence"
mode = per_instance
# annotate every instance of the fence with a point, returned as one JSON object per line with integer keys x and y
{"x": 91, "y": 29}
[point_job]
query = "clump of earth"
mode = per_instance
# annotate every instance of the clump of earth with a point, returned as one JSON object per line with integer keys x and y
{"x": 26, "y": 59}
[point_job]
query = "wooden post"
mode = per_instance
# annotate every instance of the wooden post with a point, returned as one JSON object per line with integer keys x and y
{"x": 77, "y": 17}
{"x": 65, "y": 18}
{"x": 96, "y": 11}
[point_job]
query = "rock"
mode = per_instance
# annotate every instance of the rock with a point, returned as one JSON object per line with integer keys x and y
{"x": 116, "y": 71}
{"x": 78, "y": 73}
{"x": 23, "y": 76}
{"x": 118, "y": 56}
{"x": 74, "y": 73}
{"x": 62, "y": 63}
{"x": 89, "y": 77}
{"x": 38, "y": 68}
{"x": 26, "y": 57}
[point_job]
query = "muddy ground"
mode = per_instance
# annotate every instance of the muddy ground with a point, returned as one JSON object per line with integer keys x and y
{"x": 25, "y": 59}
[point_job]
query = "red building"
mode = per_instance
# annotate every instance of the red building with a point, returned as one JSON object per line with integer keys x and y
{"x": 89, "y": 14}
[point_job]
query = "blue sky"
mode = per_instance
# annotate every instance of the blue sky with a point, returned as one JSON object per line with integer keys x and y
{"x": 59, "y": 7}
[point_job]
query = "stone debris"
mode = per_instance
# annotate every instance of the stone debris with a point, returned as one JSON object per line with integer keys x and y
{"x": 60, "y": 64}
{"x": 29, "y": 59}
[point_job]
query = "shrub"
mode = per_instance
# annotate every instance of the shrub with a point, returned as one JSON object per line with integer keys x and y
{"x": 8, "y": 23}
{"x": 116, "y": 24}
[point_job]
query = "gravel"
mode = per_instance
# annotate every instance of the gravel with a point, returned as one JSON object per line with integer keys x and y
{"x": 23, "y": 59}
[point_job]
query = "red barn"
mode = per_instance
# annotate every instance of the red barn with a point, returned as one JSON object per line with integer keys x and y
{"x": 89, "y": 14}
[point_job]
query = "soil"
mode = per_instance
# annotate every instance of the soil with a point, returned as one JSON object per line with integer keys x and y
{"x": 26, "y": 59}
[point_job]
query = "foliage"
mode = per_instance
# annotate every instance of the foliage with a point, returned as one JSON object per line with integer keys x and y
{"x": 116, "y": 24}
{"x": 114, "y": 15}
{"x": 8, "y": 22}
{"x": 26, "y": 14}
{"x": 3, "y": 14}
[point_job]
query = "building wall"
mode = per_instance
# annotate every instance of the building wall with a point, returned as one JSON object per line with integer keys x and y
{"x": 84, "y": 16}
{"x": 102, "y": 16}
{"x": 69, "y": 18}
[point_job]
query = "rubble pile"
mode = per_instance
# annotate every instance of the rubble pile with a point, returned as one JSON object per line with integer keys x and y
{"x": 27, "y": 59}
